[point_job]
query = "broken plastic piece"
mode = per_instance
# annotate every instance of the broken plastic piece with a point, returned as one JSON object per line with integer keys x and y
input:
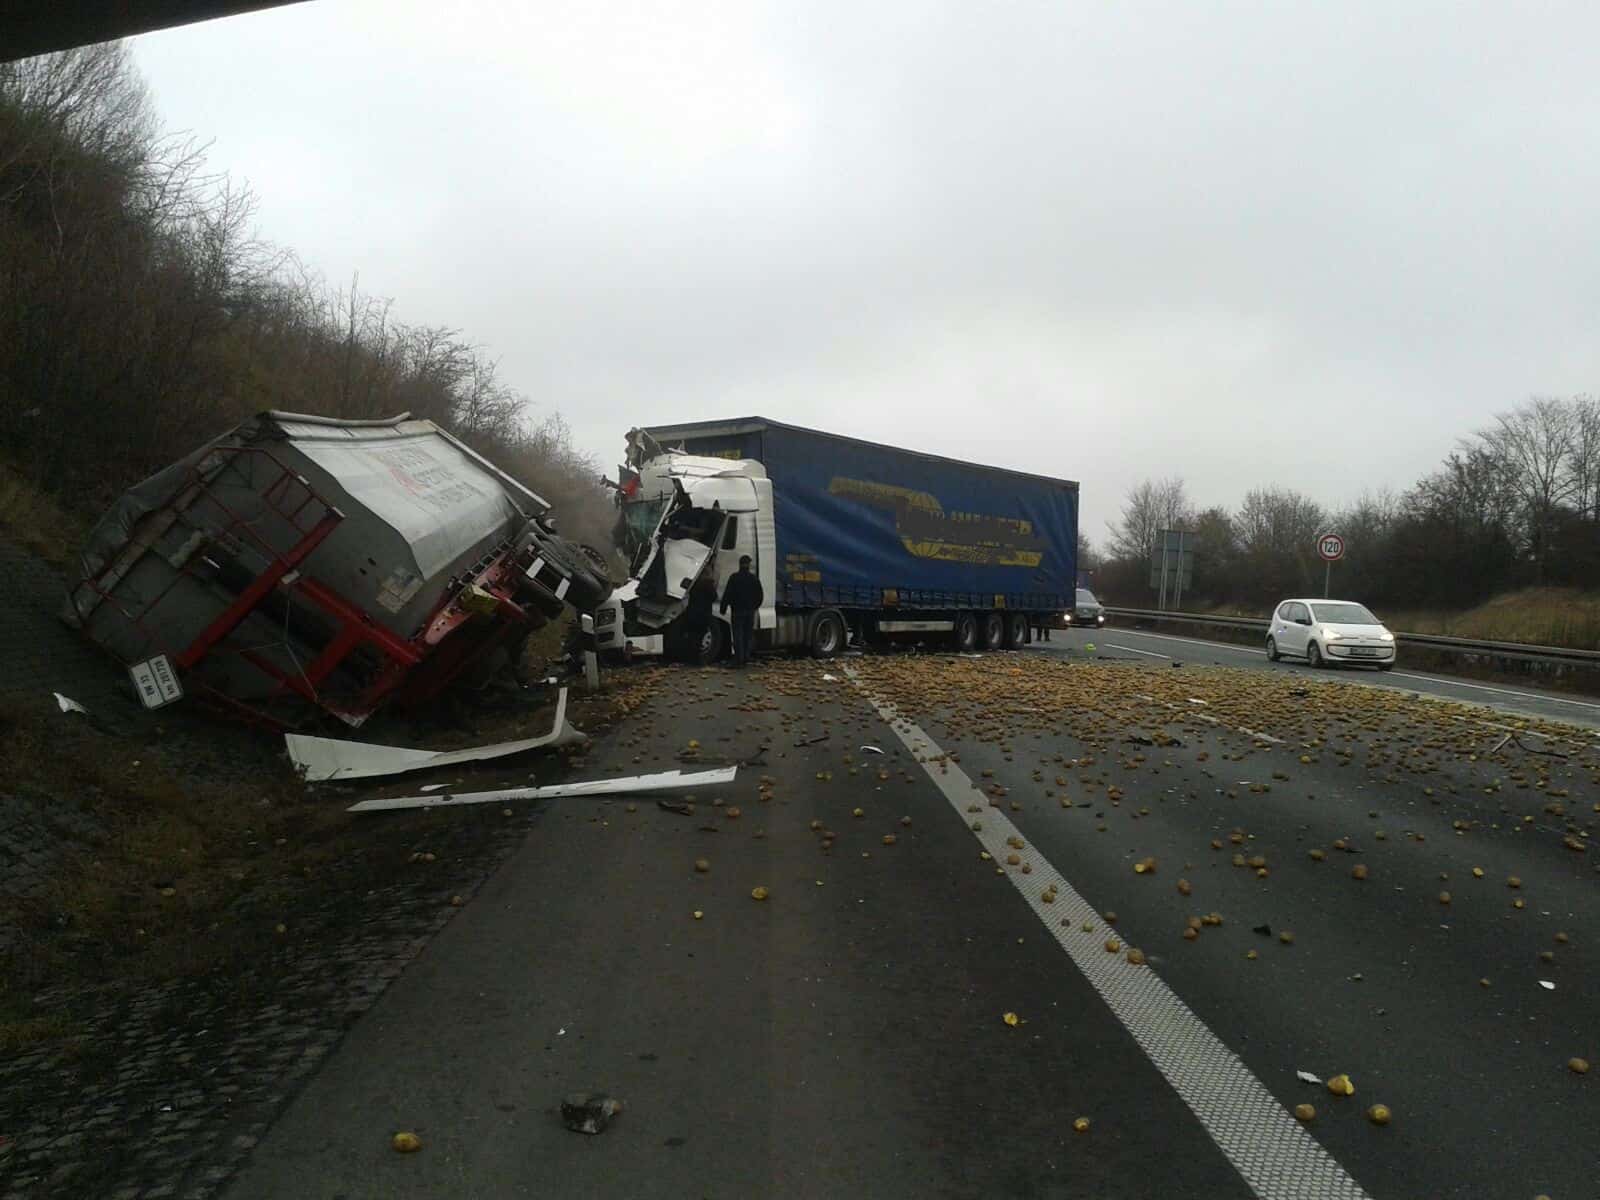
{"x": 69, "y": 705}
{"x": 320, "y": 759}
{"x": 662, "y": 782}
{"x": 589, "y": 1112}
{"x": 872, "y": 750}
{"x": 1306, "y": 1077}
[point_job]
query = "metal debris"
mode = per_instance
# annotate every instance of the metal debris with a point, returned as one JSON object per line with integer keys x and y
{"x": 665, "y": 781}
{"x": 319, "y": 759}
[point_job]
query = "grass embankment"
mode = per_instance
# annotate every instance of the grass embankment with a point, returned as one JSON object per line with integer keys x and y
{"x": 207, "y": 848}
{"x": 1538, "y": 616}
{"x": 35, "y": 521}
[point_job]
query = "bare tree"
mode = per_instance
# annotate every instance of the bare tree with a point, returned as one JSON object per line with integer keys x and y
{"x": 1535, "y": 442}
{"x": 1583, "y": 460}
{"x": 1151, "y": 506}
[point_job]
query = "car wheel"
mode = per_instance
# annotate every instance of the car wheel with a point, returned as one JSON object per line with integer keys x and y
{"x": 992, "y": 631}
{"x": 828, "y": 635}
{"x": 1016, "y": 630}
{"x": 1272, "y": 650}
{"x": 1314, "y": 655}
{"x": 965, "y": 633}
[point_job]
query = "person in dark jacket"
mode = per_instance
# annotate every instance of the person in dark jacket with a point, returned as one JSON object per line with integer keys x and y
{"x": 697, "y": 617}
{"x": 743, "y": 594}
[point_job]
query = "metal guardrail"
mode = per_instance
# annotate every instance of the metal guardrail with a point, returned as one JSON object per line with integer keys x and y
{"x": 1510, "y": 651}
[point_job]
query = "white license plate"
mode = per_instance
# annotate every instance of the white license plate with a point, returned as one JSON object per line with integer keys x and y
{"x": 1365, "y": 651}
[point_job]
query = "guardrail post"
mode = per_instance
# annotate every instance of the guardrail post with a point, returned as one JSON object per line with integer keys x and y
{"x": 591, "y": 658}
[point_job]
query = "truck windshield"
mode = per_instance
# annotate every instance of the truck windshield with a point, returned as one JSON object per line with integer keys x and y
{"x": 640, "y": 519}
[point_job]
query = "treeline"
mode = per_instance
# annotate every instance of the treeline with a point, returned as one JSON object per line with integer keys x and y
{"x": 1516, "y": 504}
{"x": 140, "y": 314}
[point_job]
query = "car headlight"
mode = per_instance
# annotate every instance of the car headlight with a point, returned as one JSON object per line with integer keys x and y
{"x": 1386, "y": 636}
{"x": 1329, "y": 635}
{"x": 606, "y": 616}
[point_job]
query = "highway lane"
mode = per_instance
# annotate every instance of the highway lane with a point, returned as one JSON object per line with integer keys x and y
{"x": 845, "y": 1036}
{"x": 1120, "y": 642}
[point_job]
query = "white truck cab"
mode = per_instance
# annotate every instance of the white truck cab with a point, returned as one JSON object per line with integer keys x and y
{"x": 681, "y": 515}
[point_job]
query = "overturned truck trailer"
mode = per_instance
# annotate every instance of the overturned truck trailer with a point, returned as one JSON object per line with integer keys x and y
{"x": 300, "y": 563}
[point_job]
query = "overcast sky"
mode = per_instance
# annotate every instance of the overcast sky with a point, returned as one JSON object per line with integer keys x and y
{"x": 1244, "y": 243}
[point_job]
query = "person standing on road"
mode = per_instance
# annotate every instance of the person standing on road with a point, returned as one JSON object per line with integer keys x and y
{"x": 697, "y": 617}
{"x": 743, "y": 594}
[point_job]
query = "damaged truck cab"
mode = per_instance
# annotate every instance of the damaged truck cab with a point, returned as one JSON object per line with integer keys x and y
{"x": 298, "y": 564}
{"x": 852, "y": 541}
{"x": 682, "y": 515}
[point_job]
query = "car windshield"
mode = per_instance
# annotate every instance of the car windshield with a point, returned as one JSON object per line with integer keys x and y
{"x": 1344, "y": 614}
{"x": 1085, "y": 596}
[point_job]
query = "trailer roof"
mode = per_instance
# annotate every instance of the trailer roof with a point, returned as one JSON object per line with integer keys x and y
{"x": 739, "y": 425}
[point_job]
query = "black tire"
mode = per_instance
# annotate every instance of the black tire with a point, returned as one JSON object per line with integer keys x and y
{"x": 1016, "y": 630}
{"x": 965, "y": 634}
{"x": 991, "y": 631}
{"x": 714, "y": 644}
{"x": 829, "y": 635}
{"x": 1272, "y": 650}
{"x": 1314, "y": 658}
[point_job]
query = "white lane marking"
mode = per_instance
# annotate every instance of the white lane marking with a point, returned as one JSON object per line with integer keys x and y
{"x": 1277, "y": 1157}
{"x": 1136, "y": 650}
{"x": 1207, "y": 717}
{"x": 1438, "y": 680}
{"x": 1167, "y": 637}
{"x": 1478, "y": 687}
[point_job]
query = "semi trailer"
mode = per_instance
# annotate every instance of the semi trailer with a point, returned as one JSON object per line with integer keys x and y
{"x": 854, "y": 542}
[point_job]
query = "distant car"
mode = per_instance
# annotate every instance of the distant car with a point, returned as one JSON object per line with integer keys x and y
{"x": 1087, "y": 612}
{"x": 1325, "y": 632}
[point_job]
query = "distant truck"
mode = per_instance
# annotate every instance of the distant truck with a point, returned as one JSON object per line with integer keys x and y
{"x": 852, "y": 541}
{"x": 299, "y": 565}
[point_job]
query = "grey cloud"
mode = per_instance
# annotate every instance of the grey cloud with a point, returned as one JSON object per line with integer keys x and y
{"x": 1103, "y": 241}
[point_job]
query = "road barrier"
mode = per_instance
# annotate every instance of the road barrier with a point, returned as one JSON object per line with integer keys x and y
{"x": 1504, "y": 651}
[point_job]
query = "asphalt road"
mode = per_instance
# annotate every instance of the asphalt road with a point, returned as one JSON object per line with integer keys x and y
{"x": 846, "y": 1036}
{"x": 1116, "y": 642}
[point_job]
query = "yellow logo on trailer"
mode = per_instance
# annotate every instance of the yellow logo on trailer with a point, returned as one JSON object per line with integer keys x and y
{"x": 928, "y": 531}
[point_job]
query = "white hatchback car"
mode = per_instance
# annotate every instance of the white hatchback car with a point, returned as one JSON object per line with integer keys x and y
{"x": 1324, "y": 632}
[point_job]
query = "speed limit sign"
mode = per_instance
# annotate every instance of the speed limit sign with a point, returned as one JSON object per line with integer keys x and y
{"x": 1330, "y": 546}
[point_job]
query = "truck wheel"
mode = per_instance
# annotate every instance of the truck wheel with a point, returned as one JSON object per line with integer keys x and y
{"x": 714, "y": 645}
{"x": 828, "y": 635}
{"x": 965, "y": 633}
{"x": 992, "y": 631}
{"x": 1016, "y": 629}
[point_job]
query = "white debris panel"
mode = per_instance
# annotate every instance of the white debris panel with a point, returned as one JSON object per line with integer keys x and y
{"x": 321, "y": 759}
{"x": 666, "y": 781}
